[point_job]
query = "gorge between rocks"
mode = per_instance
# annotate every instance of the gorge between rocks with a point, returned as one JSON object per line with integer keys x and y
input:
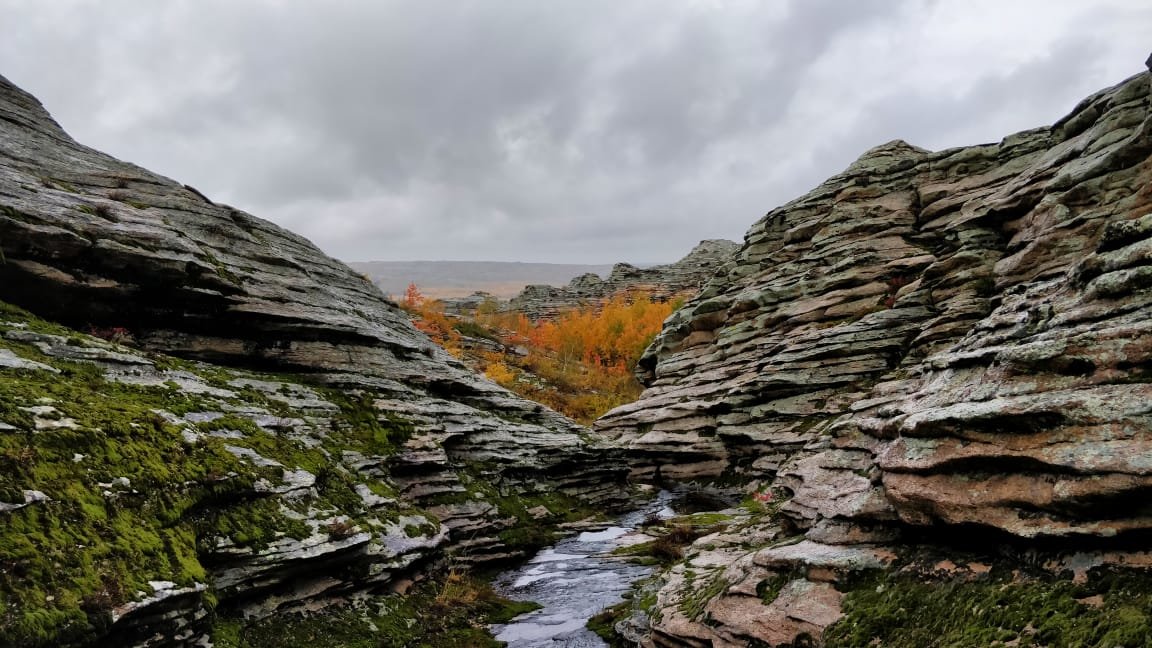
{"x": 573, "y": 581}
{"x": 926, "y": 382}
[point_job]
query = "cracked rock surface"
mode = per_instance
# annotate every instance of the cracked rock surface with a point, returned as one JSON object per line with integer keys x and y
{"x": 107, "y": 248}
{"x": 951, "y": 344}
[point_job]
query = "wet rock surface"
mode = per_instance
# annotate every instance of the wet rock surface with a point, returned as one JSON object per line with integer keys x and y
{"x": 929, "y": 350}
{"x": 572, "y": 581}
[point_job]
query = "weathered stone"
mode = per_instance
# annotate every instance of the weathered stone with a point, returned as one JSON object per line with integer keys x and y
{"x": 952, "y": 343}
{"x": 9, "y": 360}
{"x": 107, "y": 247}
{"x": 30, "y": 497}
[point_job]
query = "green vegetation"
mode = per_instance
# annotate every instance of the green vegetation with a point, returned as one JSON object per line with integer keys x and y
{"x": 532, "y": 529}
{"x": 363, "y": 427}
{"x": 999, "y": 609}
{"x": 53, "y": 183}
{"x": 138, "y": 493}
{"x": 604, "y": 624}
{"x": 672, "y": 536}
{"x": 694, "y": 603}
{"x": 770, "y": 588}
{"x": 452, "y": 611}
{"x": 131, "y": 498}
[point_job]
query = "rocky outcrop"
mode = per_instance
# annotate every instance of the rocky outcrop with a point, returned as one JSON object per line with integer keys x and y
{"x": 661, "y": 282}
{"x": 931, "y": 349}
{"x": 402, "y": 432}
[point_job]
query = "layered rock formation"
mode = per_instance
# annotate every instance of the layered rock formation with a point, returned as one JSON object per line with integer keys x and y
{"x": 661, "y": 282}
{"x": 333, "y": 480}
{"x": 930, "y": 352}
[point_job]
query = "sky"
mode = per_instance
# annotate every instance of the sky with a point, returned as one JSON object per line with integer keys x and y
{"x": 569, "y": 131}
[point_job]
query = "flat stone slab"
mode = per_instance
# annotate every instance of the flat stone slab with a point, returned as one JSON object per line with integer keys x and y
{"x": 9, "y": 360}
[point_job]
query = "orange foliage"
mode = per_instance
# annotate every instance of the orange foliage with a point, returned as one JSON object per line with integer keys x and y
{"x": 610, "y": 338}
{"x": 412, "y": 297}
{"x": 428, "y": 316}
{"x": 580, "y": 364}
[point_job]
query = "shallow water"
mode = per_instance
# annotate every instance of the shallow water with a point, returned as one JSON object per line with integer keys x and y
{"x": 573, "y": 580}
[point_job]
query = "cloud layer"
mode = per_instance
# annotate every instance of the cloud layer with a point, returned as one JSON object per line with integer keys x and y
{"x": 585, "y": 132}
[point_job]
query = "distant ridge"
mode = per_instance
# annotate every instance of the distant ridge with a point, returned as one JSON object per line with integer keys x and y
{"x": 440, "y": 279}
{"x": 660, "y": 281}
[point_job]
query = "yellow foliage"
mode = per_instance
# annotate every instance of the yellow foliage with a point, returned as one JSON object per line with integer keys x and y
{"x": 582, "y": 362}
{"x": 500, "y": 373}
{"x": 611, "y": 337}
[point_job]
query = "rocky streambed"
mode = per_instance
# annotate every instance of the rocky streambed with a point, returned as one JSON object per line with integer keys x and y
{"x": 574, "y": 580}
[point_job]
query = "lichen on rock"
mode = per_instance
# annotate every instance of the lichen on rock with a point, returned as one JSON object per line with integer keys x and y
{"x": 209, "y": 403}
{"x": 930, "y": 353}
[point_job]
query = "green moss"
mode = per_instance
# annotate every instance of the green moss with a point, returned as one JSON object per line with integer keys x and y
{"x": 364, "y": 427}
{"x": 420, "y": 530}
{"x": 66, "y": 562}
{"x": 647, "y": 603}
{"x": 997, "y": 610}
{"x": 770, "y": 588}
{"x": 288, "y": 452}
{"x": 638, "y": 549}
{"x": 693, "y": 604}
{"x": 702, "y": 519}
{"x": 53, "y": 183}
{"x": 528, "y": 536}
{"x": 222, "y": 270}
{"x": 254, "y": 524}
{"x": 528, "y": 531}
{"x": 604, "y": 624}
{"x": 94, "y": 545}
{"x": 451, "y": 612}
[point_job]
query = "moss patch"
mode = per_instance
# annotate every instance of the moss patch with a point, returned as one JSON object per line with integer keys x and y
{"x": 1109, "y": 610}
{"x": 530, "y": 528}
{"x": 604, "y": 624}
{"x": 133, "y": 499}
{"x": 452, "y": 612}
{"x": 694, "y": 603}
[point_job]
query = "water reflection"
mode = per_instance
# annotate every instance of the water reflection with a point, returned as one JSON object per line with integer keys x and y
{"x": 574, "y": 580}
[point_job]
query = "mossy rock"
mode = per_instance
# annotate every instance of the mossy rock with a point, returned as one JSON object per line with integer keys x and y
{"x": 447, "y": 611}
{"x": 132, "y": 498}
{"x": 1109, "y": 610}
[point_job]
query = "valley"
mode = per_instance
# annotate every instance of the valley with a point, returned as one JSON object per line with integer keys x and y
{"x": 910, "y": 409}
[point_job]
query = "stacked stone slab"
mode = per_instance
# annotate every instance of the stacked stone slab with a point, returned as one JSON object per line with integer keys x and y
{"x": 953, "y": 343}
{"x": 96, "y": 243}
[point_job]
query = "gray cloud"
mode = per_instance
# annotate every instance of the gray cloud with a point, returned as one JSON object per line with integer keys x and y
{"x": 589, "y": 131}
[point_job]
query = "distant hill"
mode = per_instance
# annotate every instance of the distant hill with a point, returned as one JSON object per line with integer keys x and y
{"x": 442, "y": 279}
{"x": 660, "y": 281}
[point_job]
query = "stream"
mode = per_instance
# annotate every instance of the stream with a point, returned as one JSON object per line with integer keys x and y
{"x": 574, "y": 580}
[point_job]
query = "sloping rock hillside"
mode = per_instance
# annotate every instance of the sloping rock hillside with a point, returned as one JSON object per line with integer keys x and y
{"x": 935, "y": 367}
{"x": 661, "y": 282}
{"x": 328, "y": 449}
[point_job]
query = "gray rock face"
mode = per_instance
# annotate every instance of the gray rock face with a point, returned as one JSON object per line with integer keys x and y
{"x": 661, "y": 282}
{"x": 929, "y": 340}
{"x": 103, "y": 245}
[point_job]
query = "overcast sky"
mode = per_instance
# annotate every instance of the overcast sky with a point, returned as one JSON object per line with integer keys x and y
{"x": 545, "y": 130}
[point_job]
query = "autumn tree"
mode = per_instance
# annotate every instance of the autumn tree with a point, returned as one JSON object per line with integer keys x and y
{"x": 428, "y": 316}
{"x": 412, "y": 297}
